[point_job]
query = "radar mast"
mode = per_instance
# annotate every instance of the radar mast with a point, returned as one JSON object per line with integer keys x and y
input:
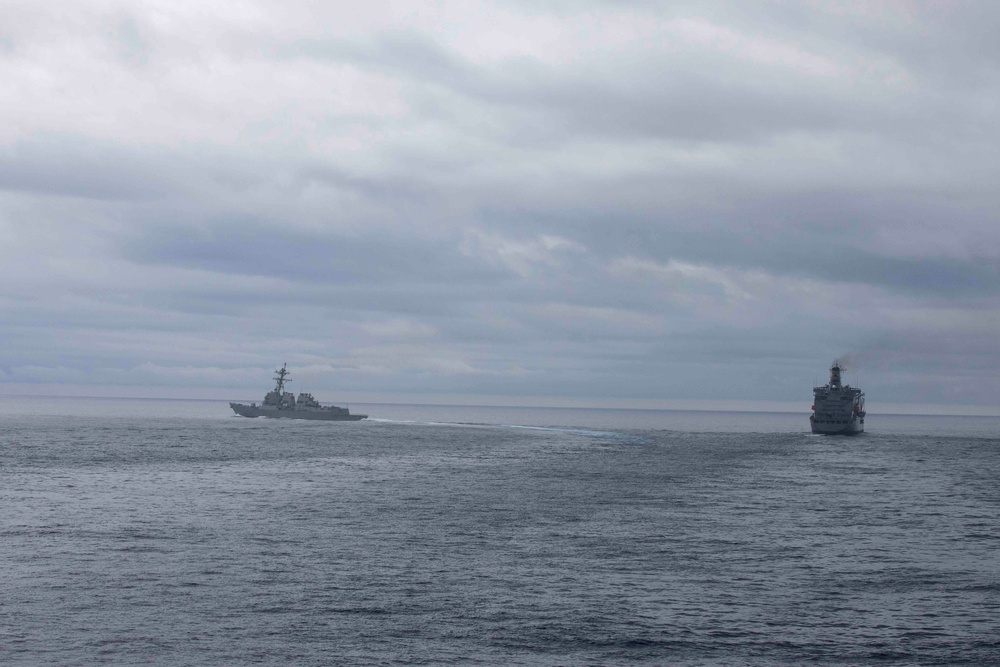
{"x": 281, "y": 378}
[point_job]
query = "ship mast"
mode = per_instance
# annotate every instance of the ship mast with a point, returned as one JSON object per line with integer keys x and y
{"x": 282, "y": 378}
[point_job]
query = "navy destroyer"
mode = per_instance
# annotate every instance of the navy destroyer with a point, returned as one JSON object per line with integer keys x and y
{"x": 281, "y": 403}
{"x": 837, "y": 408}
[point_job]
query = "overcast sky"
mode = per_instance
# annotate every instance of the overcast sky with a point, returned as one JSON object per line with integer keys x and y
{"x": 617, "y": 202}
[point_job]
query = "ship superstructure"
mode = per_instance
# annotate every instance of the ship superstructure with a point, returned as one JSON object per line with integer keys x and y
{"x": 281, "y": 403}
{"x": 837, "y": 408}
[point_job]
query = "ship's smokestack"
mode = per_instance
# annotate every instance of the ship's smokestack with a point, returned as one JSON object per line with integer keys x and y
{"x": 835, "y": 374}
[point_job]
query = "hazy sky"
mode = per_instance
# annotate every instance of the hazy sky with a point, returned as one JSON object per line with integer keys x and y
{"x": 603, "y": 201}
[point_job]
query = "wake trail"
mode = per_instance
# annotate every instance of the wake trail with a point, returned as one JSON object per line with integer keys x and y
{"x": 526, "y": 427}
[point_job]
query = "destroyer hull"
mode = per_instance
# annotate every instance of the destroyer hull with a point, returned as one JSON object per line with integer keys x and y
{"x": 339, "y": 415}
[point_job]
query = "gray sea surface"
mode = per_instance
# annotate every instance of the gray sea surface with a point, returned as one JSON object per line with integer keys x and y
{"x": 143, "y": 532}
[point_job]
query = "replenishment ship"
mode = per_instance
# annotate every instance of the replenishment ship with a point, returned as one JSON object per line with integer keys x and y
{"x": 837, "y": 408}
{"x": 281, "y": 403}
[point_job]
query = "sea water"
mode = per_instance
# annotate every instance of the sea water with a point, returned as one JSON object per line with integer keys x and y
{"x": 175, "y": 533}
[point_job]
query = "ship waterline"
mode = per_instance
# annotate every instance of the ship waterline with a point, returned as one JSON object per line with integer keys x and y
{"x": 279, "y": 403}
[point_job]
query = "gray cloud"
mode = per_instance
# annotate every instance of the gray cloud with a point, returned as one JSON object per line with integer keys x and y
{"x": 66, "y": 167}
{"x": 601, "y": 200}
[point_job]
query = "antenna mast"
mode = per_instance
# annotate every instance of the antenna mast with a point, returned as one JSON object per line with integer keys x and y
{"x": 281, "y": 378}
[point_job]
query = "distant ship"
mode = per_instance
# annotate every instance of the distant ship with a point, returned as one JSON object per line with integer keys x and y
{"x": 279, "y": 403}
{"x": 837, "y": 408}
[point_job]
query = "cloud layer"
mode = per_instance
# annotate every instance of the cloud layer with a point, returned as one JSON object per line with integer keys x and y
{"x": 594, "y": 200}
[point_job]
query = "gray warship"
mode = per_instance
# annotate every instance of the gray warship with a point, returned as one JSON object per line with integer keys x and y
{"x": 281, "y": 403}
{"x": 838, "y": 409}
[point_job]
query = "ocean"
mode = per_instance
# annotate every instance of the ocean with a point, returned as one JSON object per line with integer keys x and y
{"x": 145, "y": 532}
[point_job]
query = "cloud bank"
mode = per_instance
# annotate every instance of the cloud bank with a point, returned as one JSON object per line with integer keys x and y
{"x": 592, "y": 200}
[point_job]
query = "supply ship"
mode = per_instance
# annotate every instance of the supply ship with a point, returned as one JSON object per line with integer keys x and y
{"x": 281, "y": 403}
{"x": 837, "y": 408}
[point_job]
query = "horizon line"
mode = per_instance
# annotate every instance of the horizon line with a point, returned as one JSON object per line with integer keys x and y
{"x": 557, "y": 403}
